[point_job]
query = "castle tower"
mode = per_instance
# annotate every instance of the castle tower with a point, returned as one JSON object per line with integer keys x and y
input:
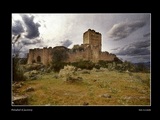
{"x": 30, "y": 56}
{"x": 94, "y": 40}
{"x": 45, "y": 56}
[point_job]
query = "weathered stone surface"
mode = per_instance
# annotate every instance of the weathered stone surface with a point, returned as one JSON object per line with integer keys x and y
{"x": 31, "y": 74}
{"x": 17, "y": 85}
{"x": 106, "y": 96}
{"x": 29, "y": 89}
{"x": 20, "y": 100}
{"x": 73, "y": 79}
{"x": 85, "y": 103}
{"x": 48, "y": 104}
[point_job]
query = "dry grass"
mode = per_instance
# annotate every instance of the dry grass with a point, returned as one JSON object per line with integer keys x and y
{"x": 124, "y": 89}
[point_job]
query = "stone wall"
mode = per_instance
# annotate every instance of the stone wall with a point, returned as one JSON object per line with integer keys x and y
{"x": 89, "y": 50}
{"x": 92, "y": 38}
{"x": 80, "y": 55}
{"x": 106, "y": 56}
{"x": 40, "y": 56}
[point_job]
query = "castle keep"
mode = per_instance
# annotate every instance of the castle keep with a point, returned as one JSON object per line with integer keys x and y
{"x": 89, "y": 50}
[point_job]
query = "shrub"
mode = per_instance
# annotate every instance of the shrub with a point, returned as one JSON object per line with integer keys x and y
{"x": 102, "y": 63}
{"x": 141, "y": 68}
{"x": 17, "y": 72}
{"x": 84, "y": 64}
{"x": 57, "y": 66}
{"x": 59, "y": 55}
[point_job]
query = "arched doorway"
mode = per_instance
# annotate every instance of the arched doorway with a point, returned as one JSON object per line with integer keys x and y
{"x": 38, "y": 59}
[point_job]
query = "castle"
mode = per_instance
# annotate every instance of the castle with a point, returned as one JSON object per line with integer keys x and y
{"x": 89, "y": 50}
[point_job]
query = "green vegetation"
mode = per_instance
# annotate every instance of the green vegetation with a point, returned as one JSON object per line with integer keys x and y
{"x": 59, "y": 55}
{"x": 18, "y": 74}
{"x": 102, "y": 83}
{"x": 123, "y": 88}
{"x": 17, "y": 71}
{"x": 86, "y": 64}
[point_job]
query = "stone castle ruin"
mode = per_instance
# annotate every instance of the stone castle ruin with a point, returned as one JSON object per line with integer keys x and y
{"x": 89, "y": 50}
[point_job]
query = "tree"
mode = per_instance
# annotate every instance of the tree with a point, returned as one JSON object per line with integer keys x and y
{"x": 17, "y": 71}
{"x": 59, "y": 55}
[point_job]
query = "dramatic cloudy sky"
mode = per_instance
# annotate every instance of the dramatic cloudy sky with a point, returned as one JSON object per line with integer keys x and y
{"x": 127, "y": 35}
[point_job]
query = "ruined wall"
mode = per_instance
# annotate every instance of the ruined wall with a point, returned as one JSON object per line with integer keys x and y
{"x": 45, "y": 56}
{"x": 50, "y": 55}
{"x": 106, "y": 56}
{"x": 35, "y": 55}
{"x": 89, "y": 50}
{"x": 40, "y": 56}
{"x": 86, "y": 38}
{"x": 78, "y": 55}
{"x": 30, "y": 56}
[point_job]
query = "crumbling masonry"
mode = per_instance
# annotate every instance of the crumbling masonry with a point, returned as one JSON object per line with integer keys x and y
{"x": 89, "y": 50}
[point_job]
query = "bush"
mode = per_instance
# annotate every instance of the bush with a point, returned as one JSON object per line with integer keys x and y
{"x": 141, "y": 68}
{"x": 84, "y": 64}
{"x": 102, "y": 63}
{"x": 97, "y": 66}
{"x": 59, "y": 55}
{"x": 17, "y": 72}
{"x": 57, "y": 66}
{"x": 67, "y": 71}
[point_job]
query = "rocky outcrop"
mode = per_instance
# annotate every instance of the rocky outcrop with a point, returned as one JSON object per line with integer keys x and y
{"x": 20, "y": 100}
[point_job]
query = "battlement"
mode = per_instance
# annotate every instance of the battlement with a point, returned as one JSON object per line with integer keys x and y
{"x": 92, "y": 31}
{"x": 89, "y": 50}
{"x": 92, "y": 38}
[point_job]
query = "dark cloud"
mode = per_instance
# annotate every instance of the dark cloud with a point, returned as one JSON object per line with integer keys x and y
{"x": 21, "y": 51}
{"x": 30, "y": 42}
{"x": 145, "y": 58}
{"x": 146, "y": 35}
{"x": 66, "y": 43}
{"x": 133, "y": 51}
{"x": 136, "y": 59}
{"x": 16, "y": 48}
{"x": 136, "y": 48}
{"x": 31, "y": 27}
{"x": 17, "y": 28}
{"x": 123, "y": 30}
{"x": 141, "y": 44}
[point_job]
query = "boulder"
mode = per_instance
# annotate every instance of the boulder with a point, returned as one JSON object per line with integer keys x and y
{"x": 85, "y": 103}
{"x": 29, "y": 89}
{"x": 73, "y": 79}
{"x": 106, "y": 96}
{"x": 20, "y": 100}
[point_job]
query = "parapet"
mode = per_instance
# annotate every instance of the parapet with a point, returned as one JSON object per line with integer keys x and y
{"x": 91, "y": 30}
